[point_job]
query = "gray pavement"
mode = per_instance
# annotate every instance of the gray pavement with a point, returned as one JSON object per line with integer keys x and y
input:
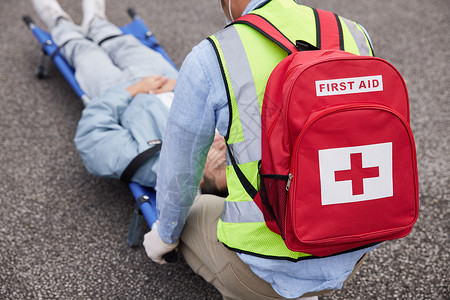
{"x": 63, "y": 231}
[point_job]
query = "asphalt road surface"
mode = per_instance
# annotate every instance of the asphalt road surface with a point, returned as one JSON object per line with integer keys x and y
{"x": 63, "y": 231}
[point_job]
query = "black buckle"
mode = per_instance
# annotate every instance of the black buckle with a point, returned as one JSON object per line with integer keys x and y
{"x": 304, "y": 46}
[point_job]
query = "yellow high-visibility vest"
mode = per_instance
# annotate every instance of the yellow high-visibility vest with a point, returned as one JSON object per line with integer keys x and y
{"x": 247, "y": 58}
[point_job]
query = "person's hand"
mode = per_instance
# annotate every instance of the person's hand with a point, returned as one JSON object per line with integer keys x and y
{"x": 155, "y": 247}
{"x": 169, "y": 86}
{"x": 152, "y": 85}
{"x": 215, "y": 171}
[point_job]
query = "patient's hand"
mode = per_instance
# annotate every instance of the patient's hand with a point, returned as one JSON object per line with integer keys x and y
{"x": 152, "y": 85}
{"x": 166, "y": 87}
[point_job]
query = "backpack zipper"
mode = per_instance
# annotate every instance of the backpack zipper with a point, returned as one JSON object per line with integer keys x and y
{"x": 288, "y": 185}
{"x": 332, "y": 110}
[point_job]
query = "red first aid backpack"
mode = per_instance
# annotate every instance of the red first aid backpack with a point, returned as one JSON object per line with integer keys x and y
{"x": 338, "y": 166}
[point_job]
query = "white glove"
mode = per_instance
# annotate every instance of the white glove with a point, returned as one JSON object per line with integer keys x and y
{"x": 155, "y": 247}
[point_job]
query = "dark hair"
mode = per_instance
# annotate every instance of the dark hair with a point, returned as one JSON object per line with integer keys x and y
{"x": 209, "y": 186}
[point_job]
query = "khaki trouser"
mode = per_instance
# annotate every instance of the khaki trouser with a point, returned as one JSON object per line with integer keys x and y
{"x": 215, "y": 263}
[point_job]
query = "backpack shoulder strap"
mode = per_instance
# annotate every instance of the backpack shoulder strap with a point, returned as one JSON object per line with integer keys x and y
{"x": 329, "y": 34}
{"x": 266, "y": 28}
{"x": 329, "y": 30}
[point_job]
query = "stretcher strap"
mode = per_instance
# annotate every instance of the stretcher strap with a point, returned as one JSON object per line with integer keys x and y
{"x": 52, "y": 56}
{"x": 108, "y": 38}
{"x": 66, "y": 42}
{"x": 138, "y": 161}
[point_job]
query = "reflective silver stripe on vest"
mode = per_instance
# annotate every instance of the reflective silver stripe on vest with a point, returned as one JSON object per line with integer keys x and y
{"x": 244, "y": 89}
{"x": 241, "y": 212}
{"x": 359, "y": 37}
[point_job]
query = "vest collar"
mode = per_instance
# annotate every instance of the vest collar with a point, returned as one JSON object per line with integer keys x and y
{"x": 253, "y": 5}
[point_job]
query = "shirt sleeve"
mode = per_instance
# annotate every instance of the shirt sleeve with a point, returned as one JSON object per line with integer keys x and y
{"x": 190, "y": 130}
{"x": 99, "y": 130}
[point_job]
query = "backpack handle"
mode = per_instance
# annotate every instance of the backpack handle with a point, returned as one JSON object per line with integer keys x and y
{"x": 329, "y": 33}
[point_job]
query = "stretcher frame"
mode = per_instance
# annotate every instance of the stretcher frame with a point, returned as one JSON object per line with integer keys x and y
{"x": 145, "y": 197}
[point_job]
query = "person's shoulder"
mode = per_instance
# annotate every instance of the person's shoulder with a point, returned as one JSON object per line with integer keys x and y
{"x": 203, "y": 51}
{"x": 207, "y": 48}
{"x": 201, "y": 60}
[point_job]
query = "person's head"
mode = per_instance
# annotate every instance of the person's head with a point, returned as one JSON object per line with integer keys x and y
{"x": 214, "y": 175}
{"x": 233, "y": 9}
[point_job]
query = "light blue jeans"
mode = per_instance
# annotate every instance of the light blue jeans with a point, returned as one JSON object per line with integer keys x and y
{"x": 117, "y": 60}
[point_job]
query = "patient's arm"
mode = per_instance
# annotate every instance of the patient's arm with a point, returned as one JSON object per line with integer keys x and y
{"x": 115, "y": 128}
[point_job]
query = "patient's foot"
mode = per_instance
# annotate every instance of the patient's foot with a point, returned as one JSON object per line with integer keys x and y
{"x": 92, "y": 9}
{"x": 50, "y": 12}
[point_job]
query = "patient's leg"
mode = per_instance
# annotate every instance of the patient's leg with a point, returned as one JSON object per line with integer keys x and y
{"x": 94, "y": 70}
{"x": 128, "y": 53}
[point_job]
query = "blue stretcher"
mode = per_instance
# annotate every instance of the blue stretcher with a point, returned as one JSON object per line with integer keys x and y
{"x": 145, "y": 197}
